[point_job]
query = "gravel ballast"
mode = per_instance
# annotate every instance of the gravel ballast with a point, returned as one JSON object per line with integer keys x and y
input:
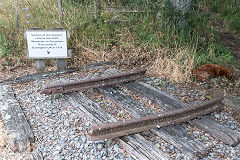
{"x": 60, "y": 130}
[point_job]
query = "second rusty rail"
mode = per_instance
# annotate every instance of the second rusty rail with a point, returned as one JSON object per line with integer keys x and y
{"x": 94, "y": 83}
{"x": 124, "y": 128}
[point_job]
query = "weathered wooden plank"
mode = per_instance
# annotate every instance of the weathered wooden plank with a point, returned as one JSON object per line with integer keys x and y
{"x": 132, "y": 149}
{"x": 19, "y": 133}
{"x": 35, "y": 76}
{"x": 140, "y": 144}
{"x": 232, "y": 101}
{"x": 207, "y": 124}
{"x": 98, "y": 116}
{"x": 227, "y": 135}
{"x": 175, "y": 135}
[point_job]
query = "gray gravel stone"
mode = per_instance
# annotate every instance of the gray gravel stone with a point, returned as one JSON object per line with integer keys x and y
{"x": 196, "y": 133}
{"x": 100, "y": 146}
{"x": 61, "y": 132}
{"x": 116, "y": 148}
{"x": 217, "y": 116}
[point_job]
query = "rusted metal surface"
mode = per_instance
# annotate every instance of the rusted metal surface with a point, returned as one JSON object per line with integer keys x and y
{"x": 94, "y": 83}
{"x": 123, "y": 128}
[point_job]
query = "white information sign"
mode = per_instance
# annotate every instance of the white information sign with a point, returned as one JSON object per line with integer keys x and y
{"x": 47, "y": 44}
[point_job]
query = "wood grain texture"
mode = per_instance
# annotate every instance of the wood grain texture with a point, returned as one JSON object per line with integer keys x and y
{"x": 206, "y": 123}
{"x": 232, "y": 101}
{"x": 35, "y": 76}
{"x": 176, "y": 134}
{"x": 135, "y": 145}
{"x": 19, "y": 133}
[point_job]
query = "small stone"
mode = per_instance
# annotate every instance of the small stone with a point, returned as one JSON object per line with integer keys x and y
{"x": 93, "y": 152}
{"x": 77, "y": 145}
{"x": 100, "y": 146}
{"x": 63, "y": 140}
{"x": 171, "y": 147}
{"x": 116, "y": 148}
{"x": 204, "y": 138}
{"x": 157, "y": 145}
{"x": 56, "y": 153}
{"x": 109, "y": 149}
{"x": 207, "y": 86}
{"x": 164, "y": 149}
{"x": 210, "y": 144}
{"x": 179, "y": 155}
{"x": 87, "y": 124}
{"x": 196, "y": 133}
{"x": 120, "y": 156}
{"x": 76, "y": 154}
{"x": 211, "y": 154}
{"x": 59, "y": 148}
{"x": 25, "y": 9}
{"x": 103, "y": 153}
{"x": 99, "y": 142}
{"x": 149, "y": 79}
{"x": 157, "y": 82}
{"x": 84, "y": 139}
{"x": 207, "y": 135}
{"x": 65, "y": 151}
{"x": 235, "y": 157}
{"x": 28, "y": 15}
{"x": 218, "y": 146}
{"x": 217, "y": 116}
{"x": 183, "y": 93}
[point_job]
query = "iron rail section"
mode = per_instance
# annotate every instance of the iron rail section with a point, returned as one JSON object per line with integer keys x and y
{"x": 123, "y": 128}
{"x": 94, "y": 83}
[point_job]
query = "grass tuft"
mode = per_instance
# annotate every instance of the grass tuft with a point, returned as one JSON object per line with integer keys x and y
{"x": 177, "y": 67}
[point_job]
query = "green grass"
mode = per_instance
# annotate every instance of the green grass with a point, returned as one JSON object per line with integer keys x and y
{"x": 229, "y": 12}
{"x": 6, "y": 46}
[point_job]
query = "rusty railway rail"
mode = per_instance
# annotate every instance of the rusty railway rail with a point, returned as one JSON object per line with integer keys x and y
{"x": 132, "y": 126}
{"x": 94, "y": 83}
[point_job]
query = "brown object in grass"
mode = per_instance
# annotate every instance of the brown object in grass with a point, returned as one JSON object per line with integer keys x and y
{"x": 207, "y": 71}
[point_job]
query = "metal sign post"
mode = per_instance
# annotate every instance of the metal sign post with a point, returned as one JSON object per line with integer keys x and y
{"x": 16, "y": 13}
{"x": 60, "y": 10}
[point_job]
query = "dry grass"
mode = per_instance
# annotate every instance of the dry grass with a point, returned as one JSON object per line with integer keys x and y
{"x": 43, "y": 14}
{"x": 176, "y": 68}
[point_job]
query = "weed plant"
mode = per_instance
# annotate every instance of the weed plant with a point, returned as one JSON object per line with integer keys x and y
{"x": 165, "y": 42}
{"x": 229, "y": 12}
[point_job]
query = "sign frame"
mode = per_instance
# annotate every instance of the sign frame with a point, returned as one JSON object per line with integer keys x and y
{"x": 50, "y": 35}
